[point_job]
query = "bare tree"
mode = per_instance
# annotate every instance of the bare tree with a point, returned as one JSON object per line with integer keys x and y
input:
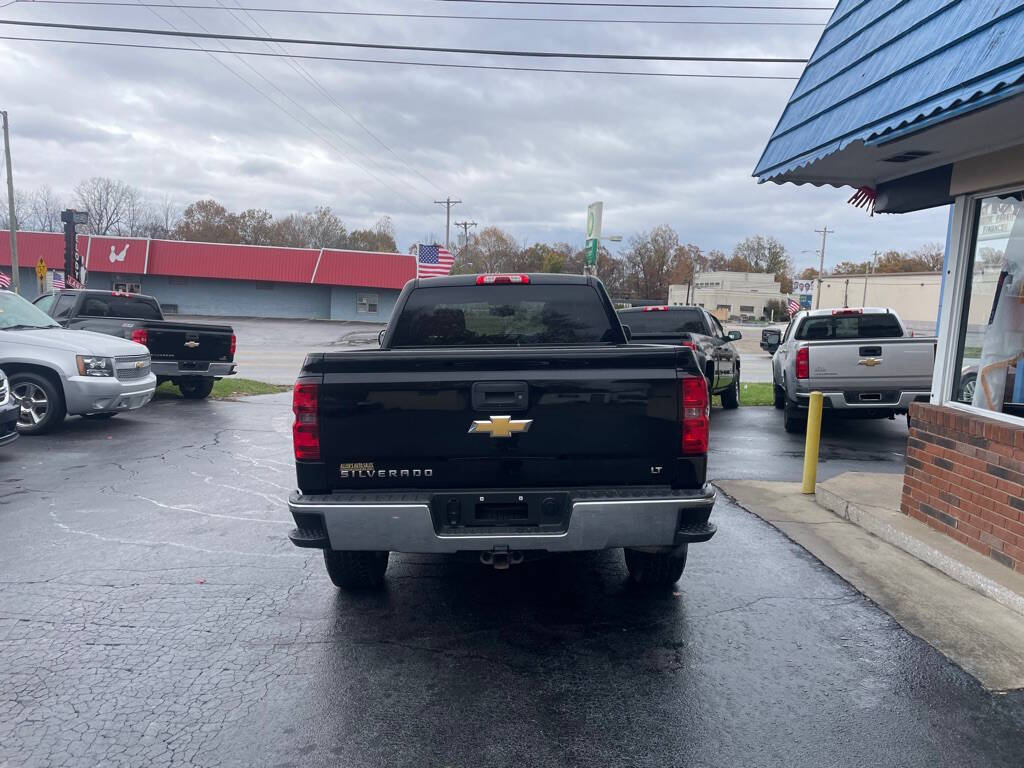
{"x": 323, "y": 229}
{"x": 22, "y": 209}
{"x": 138, "y": 214}
{"x": 105, "y": 200}
{"x": 46, "y": 207}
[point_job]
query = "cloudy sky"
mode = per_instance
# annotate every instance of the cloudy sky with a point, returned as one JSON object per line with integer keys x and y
{"x": 526, "y": 151}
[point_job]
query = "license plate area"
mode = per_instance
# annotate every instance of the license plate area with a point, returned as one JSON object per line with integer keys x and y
{"x": 468, "y": 512}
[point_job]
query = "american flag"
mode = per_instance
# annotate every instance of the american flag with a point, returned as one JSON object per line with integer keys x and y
{"x": 5, "y": 280}
{"x": 794, "y": 307}
{"x": 58, "y": 280}
{"x": 433, "y": 261}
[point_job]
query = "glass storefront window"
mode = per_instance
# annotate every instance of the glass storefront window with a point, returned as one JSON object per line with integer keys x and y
{"x": 990, "y": 363}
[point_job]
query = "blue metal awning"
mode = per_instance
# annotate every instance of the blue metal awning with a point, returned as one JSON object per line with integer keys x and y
{"x": 887, "y": 68}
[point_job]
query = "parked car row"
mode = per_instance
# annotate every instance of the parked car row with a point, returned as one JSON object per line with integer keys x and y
{"x": 96, "y": 354}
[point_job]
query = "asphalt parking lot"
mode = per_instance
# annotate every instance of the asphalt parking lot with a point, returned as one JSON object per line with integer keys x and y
{"x": 152, "y": 613}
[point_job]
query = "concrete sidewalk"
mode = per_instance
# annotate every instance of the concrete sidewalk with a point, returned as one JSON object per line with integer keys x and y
{"x": 945, "y": 593}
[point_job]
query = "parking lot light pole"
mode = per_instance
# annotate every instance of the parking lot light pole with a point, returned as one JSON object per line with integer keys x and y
{"x": 13, "y": 225}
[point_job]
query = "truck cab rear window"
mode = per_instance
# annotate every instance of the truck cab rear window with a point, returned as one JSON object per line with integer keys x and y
{"x": 665, "y": 321}
{"x": 136, "y": 307}
{"x": 850, "y": 327}
{"x": 504, "y": 315}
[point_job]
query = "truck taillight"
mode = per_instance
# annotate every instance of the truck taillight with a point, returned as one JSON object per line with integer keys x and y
{"x": 503, "y": 280}
{"x": 692, "y": 345}
{"x": 803, "y": 363}
{"x": 696, "y": 415}
{"x": 231, "y": 351}
{"x": 140, "y": 336}
{"x": 306, "y": 429}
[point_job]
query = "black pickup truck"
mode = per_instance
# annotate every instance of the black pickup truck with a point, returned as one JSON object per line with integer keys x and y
{"x": 699, "y": 330}
{"x": 188, "y": 355}
{"x": 503, "y": 416}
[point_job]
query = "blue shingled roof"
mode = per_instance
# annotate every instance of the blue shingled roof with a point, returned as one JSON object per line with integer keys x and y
{"x": 886, "y": 67}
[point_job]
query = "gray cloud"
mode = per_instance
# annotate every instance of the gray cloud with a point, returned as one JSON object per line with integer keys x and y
{"x": 525, "y": 151}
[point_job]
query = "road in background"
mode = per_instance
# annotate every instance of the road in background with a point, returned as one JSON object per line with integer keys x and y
{"x": 153, "y": 613}
{"x": 273, "y": 350}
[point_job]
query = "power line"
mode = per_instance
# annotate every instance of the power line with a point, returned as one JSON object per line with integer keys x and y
{"x": 396, "y": 47}
{"x": 311, "y": 79}
{"x": 433, "y": 64}
{"x": 442, "y": 16}
{"x": 301, "y": 122}
{"x": 647, "y": 5}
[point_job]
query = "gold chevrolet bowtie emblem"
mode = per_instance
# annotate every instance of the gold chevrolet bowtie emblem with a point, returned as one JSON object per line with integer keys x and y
{"x": 500, "y": 426}
{"x": 870, "y": 362}
{"x": 191, "y": 344}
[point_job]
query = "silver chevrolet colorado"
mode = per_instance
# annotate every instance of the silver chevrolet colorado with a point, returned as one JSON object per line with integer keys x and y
{"x": 863, "y": 360}
{"x": 53, "y": 372}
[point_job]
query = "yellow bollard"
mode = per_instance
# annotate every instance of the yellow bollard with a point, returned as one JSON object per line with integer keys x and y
{"x": 811, "y": 443}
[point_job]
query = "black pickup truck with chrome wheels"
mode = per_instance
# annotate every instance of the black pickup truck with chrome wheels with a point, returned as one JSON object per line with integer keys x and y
{"x": 504, "y": 416}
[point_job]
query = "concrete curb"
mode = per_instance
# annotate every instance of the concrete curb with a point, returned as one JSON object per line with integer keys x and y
{"x": 873, "y": 520}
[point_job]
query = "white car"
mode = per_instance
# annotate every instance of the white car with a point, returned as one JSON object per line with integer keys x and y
{"x": 53, "y": 372}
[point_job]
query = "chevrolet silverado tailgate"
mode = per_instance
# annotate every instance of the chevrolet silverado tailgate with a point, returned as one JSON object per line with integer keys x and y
{"x": 185, "y": 341}
{"x": 502, "y": 417}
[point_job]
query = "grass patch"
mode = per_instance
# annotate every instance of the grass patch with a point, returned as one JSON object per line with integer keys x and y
{"x": 759, "y": 393}
{"x": 229, "y": 387}
{"x": 972, "y": 351}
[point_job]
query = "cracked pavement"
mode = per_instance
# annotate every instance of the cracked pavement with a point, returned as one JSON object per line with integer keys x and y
{"x": 152, "y": 613}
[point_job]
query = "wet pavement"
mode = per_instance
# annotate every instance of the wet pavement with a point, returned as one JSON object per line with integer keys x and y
{"x": 152, "y": 613}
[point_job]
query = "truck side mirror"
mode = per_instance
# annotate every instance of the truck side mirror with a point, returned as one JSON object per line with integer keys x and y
{"x": 629, "y": 333}
{"x": 735, "y": 335}
{"x": 380, "y": 337}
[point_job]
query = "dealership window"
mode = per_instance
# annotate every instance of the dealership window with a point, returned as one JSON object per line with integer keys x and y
{"x": 366, "y": 303}
{"x": 989, "y": 366}
{"x": 727, "y": 307}
{"x": 746, "y": 308}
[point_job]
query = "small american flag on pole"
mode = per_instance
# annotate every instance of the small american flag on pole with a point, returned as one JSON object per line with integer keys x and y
{"x": 58, "y": 280}
{"x": 433, "y": 261}
{"x": 793, "y": 307}
{"x": 5, "y": 280}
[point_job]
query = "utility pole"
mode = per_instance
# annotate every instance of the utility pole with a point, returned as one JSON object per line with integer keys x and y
{"x": 871, "y": 270}
{"x": 465, "y": 229}
{"x": 15, "y": 277}
{"x": 824, "y": 234}
{"x": 447, "y": 203}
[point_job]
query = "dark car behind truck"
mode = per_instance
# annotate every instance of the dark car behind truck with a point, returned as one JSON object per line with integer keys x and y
{"x": 503, "y": 416}
{"x": 699, "y": 330}
{"x": 189, "y": 355}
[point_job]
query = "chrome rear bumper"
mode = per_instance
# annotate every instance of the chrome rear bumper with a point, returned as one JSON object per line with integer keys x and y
{"x": 403, "y": 523}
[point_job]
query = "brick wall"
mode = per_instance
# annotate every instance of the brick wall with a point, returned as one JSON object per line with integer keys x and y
{"x": 965, "y": 477}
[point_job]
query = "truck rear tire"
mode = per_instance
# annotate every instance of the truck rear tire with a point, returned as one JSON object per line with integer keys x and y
{"x": 655, "y": 570}
{"x": 195, "y": 389}
{"x": 795, "y": 421}
{"x": 731, "y": 396}
{"x": 780, "y": 397}
{"x": 356, "y": 570}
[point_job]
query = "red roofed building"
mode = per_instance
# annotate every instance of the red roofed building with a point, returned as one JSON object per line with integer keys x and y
{"x": 221, "y": 279}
